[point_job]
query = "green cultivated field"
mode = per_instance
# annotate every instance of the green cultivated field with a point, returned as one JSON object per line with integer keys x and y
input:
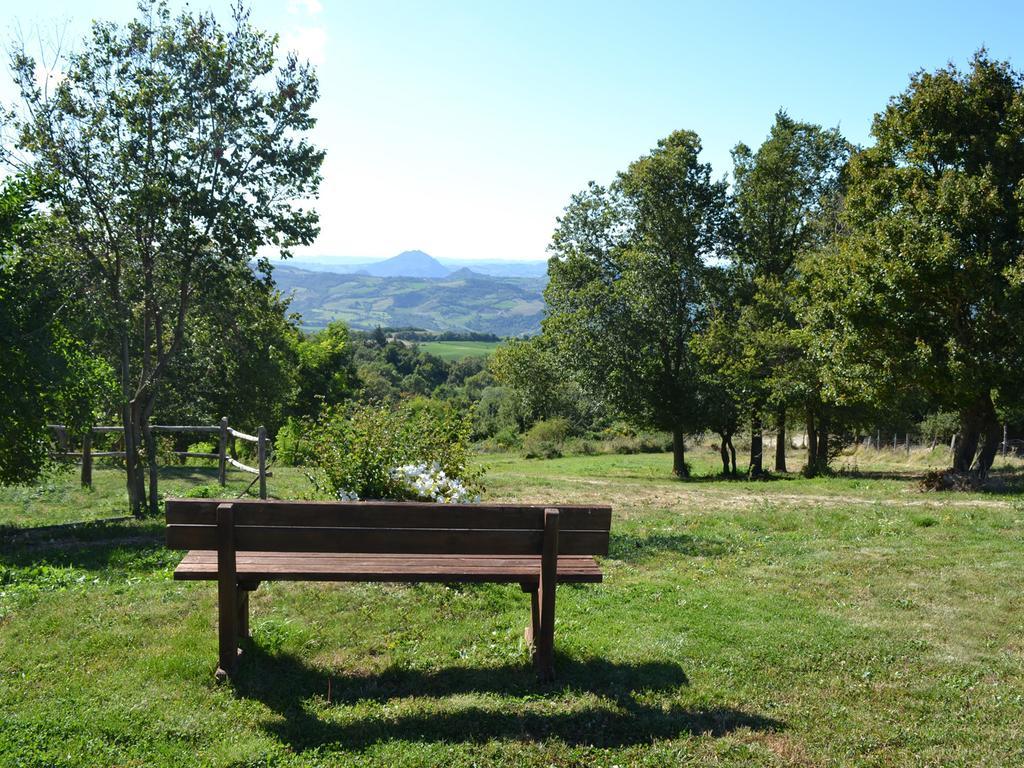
{"x": 456, "y": 350}
{"x": 792, "y": 622}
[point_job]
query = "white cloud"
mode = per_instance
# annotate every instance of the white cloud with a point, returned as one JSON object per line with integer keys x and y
{"x": 308, "y": 42}
{"x": 310, "y": 7}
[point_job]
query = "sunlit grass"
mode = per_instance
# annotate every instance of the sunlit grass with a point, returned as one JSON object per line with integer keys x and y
{"x": 836, "y": 621}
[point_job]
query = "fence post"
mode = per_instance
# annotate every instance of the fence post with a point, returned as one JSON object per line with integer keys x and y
{"x": 87, "y": 459}
{"x": 261, "y": 457}
{"x": 908, "y": 442}
{"x": 222, "y": 449}
{"x": 1004, "y": 441}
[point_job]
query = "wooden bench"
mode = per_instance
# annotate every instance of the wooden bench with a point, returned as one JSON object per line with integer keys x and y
{"x": 241, "y": 543}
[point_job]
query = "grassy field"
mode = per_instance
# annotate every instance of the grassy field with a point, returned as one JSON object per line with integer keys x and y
{"x": 457, "y": 350}
{"x": 791, "y": 622}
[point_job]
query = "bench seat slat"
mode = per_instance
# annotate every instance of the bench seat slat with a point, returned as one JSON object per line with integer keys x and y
{"x": 201, "y": 565}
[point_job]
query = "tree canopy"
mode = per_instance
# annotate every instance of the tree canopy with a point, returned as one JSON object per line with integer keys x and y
{"x": 924, "y": 297}
{"x": 48, "y": 374}
{"x": 170, "y": 151}
{"x": 628, "y": 284}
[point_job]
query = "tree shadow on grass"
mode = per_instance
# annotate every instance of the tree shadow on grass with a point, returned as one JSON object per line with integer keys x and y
{"x": 1000, "y": 481}
{"x": 631, "y": 548}
{"x": 286, "y": 685}
{"x": 877, "y": 474}
{"x": 89, "y": 546}
{"x": 741, "y": 477}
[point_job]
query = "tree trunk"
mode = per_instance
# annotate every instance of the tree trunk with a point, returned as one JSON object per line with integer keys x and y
{"x": 723, "y": 451}
{"x": 821, "y": 455}
{"x": 732, "y": 455}
{"x": 679, "y": 454}
{"x": 989, "y": 448}
{"x": 811, "y": 468}
{"x": 780, "y": 442}
{"x": 128, "y": 421}
{"x": 966, "y": 447}
{"x": 150, "y": 439}
{"x": 971, "y": 423}
{"x": 979, "y": 423}
{"x": 756, "y": 468}
{"x": 133, "y": 468}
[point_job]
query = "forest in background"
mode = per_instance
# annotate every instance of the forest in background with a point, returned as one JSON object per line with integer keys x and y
{"x": 821, "y": 287}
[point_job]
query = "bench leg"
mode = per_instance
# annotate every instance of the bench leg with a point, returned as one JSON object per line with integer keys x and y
{"x": 544, "y": 639}
{"x": 229, "y": 607}
{"x": 243, "y": 613}
{"x": 543, "y": 616}
{"x": 533, "y": 627}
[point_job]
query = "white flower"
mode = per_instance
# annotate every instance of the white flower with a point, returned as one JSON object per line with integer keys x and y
{"x": 432, "y": 483}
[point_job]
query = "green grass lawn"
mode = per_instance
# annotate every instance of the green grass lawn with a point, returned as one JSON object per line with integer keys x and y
{"x": 791, "y": 622}
{"x": 457, "y": 350}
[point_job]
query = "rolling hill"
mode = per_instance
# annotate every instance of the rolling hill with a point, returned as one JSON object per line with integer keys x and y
{"x": 463, "y": 300}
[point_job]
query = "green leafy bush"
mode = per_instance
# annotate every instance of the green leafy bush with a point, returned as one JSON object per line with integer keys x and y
{"x": 289, "y": 449}
{"x": 507, "y": 438}
{"x": 546, "y": 439}
{"x": 204, "y": 446}
{"x": 641, "y": 442}
{"x": 418, "y": 450}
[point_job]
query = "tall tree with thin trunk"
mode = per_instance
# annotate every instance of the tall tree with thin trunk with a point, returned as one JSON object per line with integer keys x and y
{"x": 172, "y": 148}
{"x": 782, "y": 192}
{"x": 629, "y": 281}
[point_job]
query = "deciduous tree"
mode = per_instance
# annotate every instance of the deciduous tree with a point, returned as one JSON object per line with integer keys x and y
{"x": 628, "y": 285}
{"x": 172, "y": 148}
{"x": 784, "y": 195}
{"x": 926, "y": 294}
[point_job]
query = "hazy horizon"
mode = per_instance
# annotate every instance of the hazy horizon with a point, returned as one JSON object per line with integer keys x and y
{"x": 349, "y": 259}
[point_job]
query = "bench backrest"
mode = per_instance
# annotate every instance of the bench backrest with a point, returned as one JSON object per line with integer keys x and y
{"x": 386, "y": 527}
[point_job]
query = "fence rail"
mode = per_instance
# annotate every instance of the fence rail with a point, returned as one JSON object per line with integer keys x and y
{"x": 242, "y": 435}
{"x": 222, "y": 430}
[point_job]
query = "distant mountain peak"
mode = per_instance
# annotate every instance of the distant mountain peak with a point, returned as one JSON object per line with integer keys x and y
{"x": 408, "y": 264}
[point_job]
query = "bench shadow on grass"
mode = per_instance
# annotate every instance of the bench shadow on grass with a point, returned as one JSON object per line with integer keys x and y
{"x": 286, "y": 685}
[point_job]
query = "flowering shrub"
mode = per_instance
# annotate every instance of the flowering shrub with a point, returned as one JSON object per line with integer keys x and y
{"x": 430, "y": 483}
{"x": 418, "y": 450}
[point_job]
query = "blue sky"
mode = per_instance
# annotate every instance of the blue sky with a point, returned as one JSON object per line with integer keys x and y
{"x": 462, "y": 128}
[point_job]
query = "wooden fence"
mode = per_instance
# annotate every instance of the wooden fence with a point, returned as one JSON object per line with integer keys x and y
{"x": 222, "y": 430}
